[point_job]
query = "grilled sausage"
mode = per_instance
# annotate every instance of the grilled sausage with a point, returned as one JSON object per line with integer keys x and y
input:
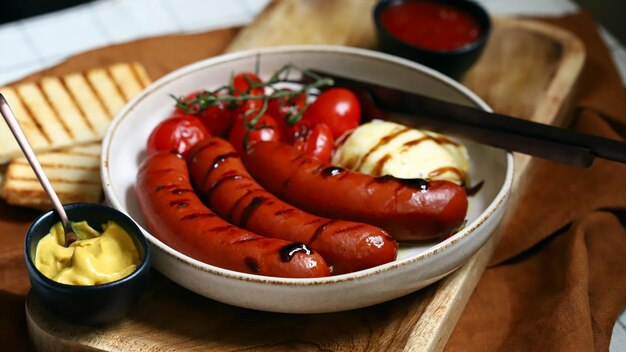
{"x": 408, "y": 209}
{"x": 176, "y": 216}
{"x": 225, "y": 186}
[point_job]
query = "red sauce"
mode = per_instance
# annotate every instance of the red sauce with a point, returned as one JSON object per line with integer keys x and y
{"x": 430, "y": 25}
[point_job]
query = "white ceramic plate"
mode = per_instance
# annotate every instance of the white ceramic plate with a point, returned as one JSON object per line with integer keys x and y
{"x": 416, "y": 266}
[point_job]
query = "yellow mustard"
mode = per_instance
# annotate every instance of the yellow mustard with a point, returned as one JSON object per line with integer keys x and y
{"x": 94, "y": 259}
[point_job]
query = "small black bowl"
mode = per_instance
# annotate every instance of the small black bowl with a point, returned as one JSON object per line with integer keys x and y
{"x": 88, "y": 305}
{"x": 453, "y": 63}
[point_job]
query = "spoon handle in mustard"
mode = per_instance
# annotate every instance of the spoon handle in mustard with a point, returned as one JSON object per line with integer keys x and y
{"x": 15, "y": 128}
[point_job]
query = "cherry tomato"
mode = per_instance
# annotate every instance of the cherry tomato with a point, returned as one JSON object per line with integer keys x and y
{"x": 242, "y": 83}
{"x": 253, "y": 105}
{"x": 217, "y": 118}
{"x": 314, "y": 139}
{"x": 240, "y": 137}
{"x": 178, "y": 134}
{"x": 283, "y": 108}
{"x": 338, "y": 108}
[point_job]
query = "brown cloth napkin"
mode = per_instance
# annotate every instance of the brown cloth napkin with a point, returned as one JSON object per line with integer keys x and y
{"x": 557, "y": 281}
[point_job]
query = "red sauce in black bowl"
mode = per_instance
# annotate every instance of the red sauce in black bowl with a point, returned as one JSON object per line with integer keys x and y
{"x": 430, "y": 25}
{"x": 446, "y": 35}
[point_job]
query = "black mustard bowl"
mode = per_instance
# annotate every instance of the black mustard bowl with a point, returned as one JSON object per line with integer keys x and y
{"x": 88, "y": 305}
{"x": 453, "y": 63}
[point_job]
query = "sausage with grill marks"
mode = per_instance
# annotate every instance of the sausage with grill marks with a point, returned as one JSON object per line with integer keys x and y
{"x": 175, "y": 215}
{"x": 225, "y": 186}
{"x": 408, "y": 209}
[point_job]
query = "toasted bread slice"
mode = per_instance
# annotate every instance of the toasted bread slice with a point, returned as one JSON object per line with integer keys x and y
{"x": 64, "y": 120}
{"x": 74, "y": 173}
{"x": 88, "y": 102}
{"x": 71, "y": 110}
{"x": 107, "y": 90}
{"x": 8, "y": 144}
{"x": 126, "y": 79}
{"x": 68, "y": 112}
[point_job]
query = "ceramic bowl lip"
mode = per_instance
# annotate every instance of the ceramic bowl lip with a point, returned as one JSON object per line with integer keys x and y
{"x": 190, "y": 69}
{"x": 134, "y": 231}
{"x": 477, "y": 11}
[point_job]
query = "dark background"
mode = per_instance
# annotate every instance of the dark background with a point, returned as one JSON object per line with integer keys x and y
{"x": 13, "y": 10}
{"x": 611, "y": 13}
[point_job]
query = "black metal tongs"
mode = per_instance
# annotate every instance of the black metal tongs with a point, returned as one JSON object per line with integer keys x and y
{"x": 506, "y": 132}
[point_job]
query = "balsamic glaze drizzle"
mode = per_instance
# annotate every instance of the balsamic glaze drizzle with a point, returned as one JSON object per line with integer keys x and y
{"x": 418, "y": 183}
{"x": 332, "y": 171}
{"x": 383, "y": 141}
{"x": 471, "y": 191}
{"x": 290, "y": 250}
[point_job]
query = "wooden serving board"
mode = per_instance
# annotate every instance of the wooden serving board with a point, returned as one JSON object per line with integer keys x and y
{"x": 528, "y": 69}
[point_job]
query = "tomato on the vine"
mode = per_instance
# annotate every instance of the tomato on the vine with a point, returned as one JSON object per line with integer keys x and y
{"x": 249, "y": 107}
{"x": 178, "y": 133}
{"x": 285, "y": 107}
{"x": 217, "y": 118}
{"x": 338, "y": 108}
{"x": 189, "y": 107}
{"x": 266, "y": 129}
{"x": 243, "y": 83}
{"x": 312, "y": 138}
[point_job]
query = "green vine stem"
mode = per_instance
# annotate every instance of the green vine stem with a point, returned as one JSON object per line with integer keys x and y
{"x": 226, "y": 94}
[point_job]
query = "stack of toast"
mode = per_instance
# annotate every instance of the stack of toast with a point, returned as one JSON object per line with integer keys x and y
{"x": 64, "y": 119}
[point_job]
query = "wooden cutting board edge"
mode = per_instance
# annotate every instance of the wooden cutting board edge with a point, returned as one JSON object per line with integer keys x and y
{"x": 556, "y": 104}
